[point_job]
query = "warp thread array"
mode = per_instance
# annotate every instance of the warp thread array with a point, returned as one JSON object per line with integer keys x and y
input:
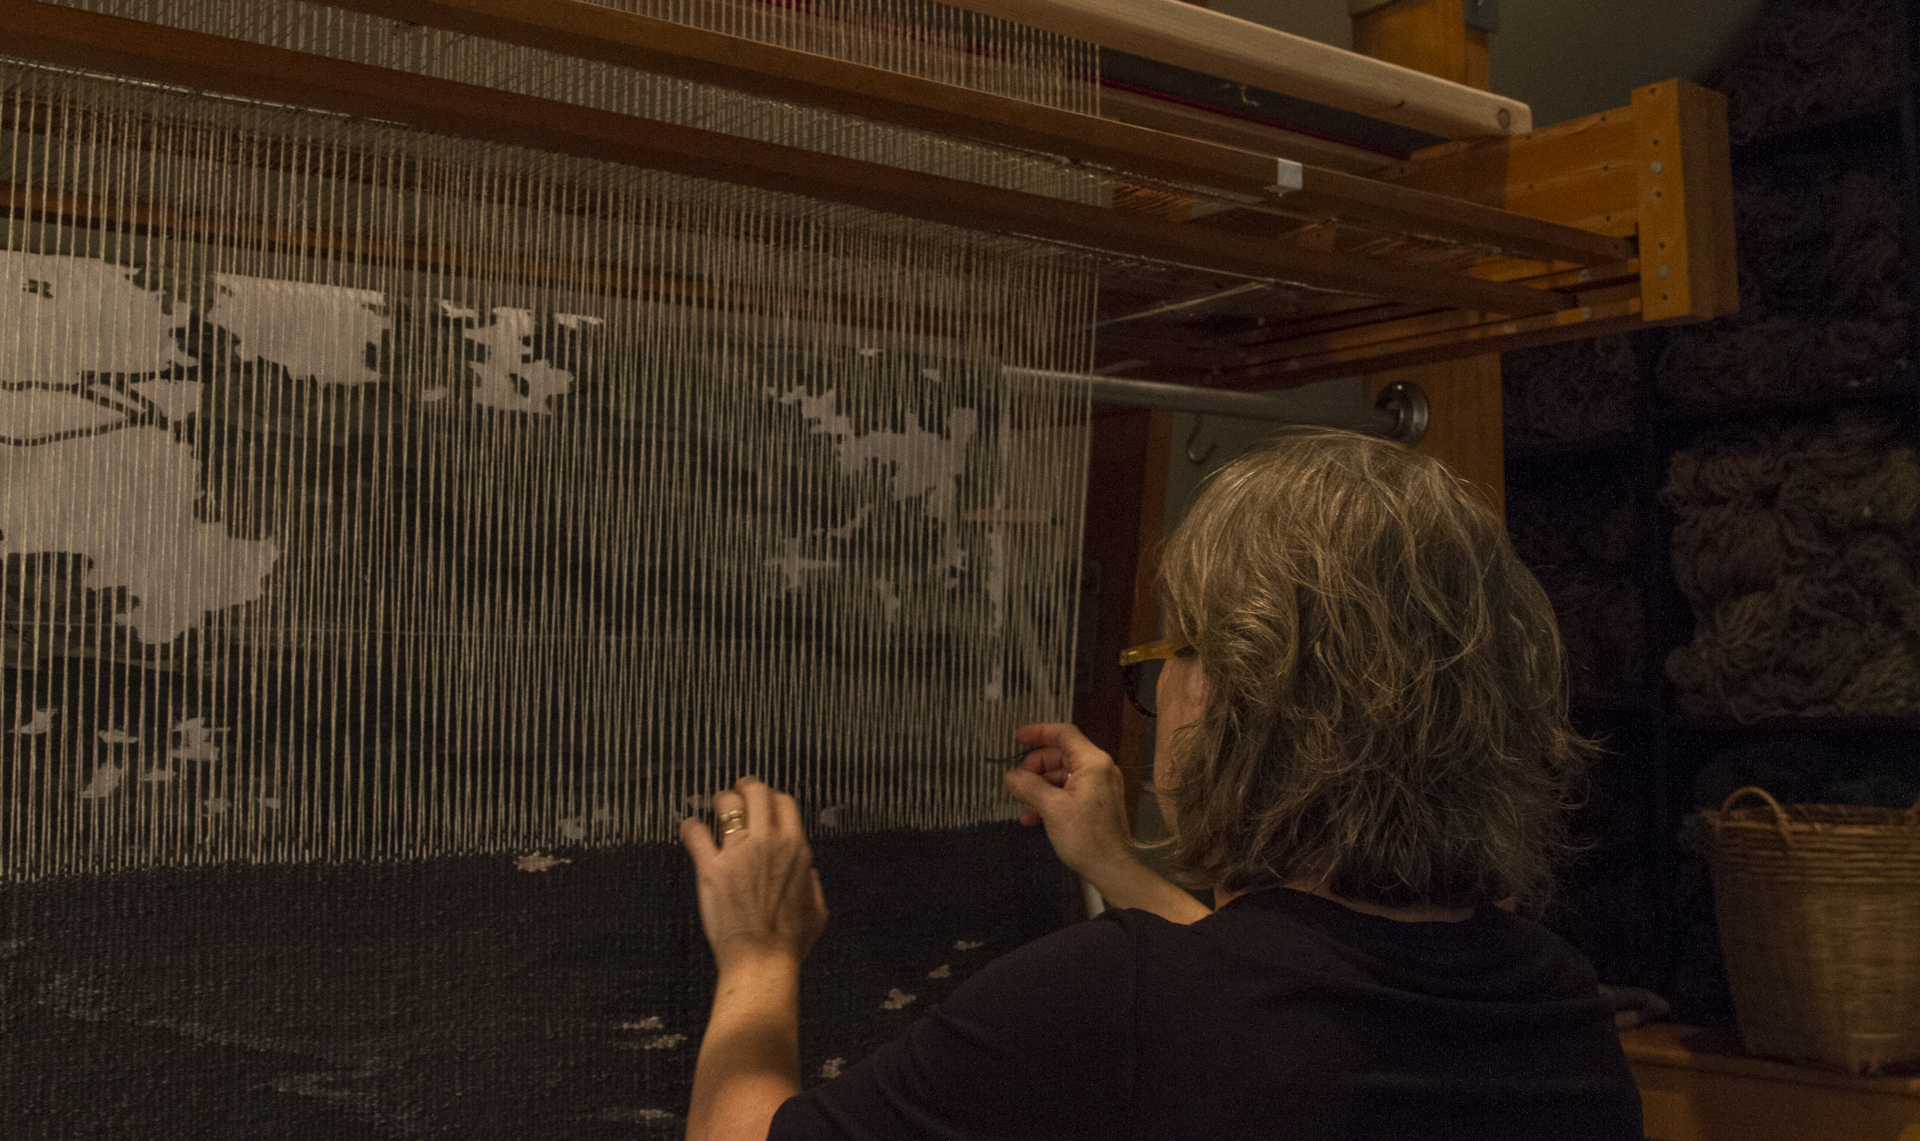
{"x": 402, "y": 496}
{"x": 1794, "y": 544}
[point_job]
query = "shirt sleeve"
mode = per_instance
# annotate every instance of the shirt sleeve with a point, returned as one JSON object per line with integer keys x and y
{"x": 1039, "y": 1044}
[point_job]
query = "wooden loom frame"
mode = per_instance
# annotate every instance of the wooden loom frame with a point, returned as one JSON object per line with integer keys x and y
{"x": 1562, "y": 215}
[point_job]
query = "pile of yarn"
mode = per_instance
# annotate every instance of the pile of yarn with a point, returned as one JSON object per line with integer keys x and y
{"x": 1813, "y": 61}
{"x": 1824, "y": 300}
{"x": 1579, "y": 541}
{"x": 1568, "y": 391}
{"x": 1794, "y": 545}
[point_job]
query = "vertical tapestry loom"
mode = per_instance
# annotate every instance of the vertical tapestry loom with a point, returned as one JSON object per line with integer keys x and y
{"x": 412, "y": 531}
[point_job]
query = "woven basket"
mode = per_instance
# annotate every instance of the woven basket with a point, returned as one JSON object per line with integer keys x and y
{"x": 1819, "y": 910}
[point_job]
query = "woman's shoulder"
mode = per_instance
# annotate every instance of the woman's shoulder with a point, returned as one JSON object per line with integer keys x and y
{"x": 1493, "y": 953}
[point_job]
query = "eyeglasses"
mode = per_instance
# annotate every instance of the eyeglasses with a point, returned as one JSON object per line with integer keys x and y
{"x": 1140, "y": 670}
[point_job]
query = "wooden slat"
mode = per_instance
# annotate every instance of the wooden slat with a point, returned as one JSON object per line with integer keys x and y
{"x": 1245, "y": 134}
{"x": 1686, "y": 193}
{"x": 104, "y": 43}
{"x": 1403, "y": 209}
{"x": 1232, "y": 360}
{"x": 1383, "y": 332}
{"x": 1451, "y": 344}
{"x": 1241, "y": 51}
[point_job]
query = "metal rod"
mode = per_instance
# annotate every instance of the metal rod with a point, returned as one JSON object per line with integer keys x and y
{"x": 1400, "y": 413}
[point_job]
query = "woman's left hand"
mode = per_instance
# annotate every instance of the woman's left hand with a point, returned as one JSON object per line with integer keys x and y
{"x": 759, "y": 892}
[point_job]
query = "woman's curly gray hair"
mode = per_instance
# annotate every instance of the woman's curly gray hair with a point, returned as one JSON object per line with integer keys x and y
{"x": 1386, "y": 693}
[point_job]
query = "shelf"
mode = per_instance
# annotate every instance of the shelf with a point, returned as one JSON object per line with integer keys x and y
{"x": 1699, "y": 1085}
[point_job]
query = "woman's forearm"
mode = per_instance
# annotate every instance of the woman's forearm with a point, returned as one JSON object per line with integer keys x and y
{"x": 1130, "y": 883}
{"x": 750, "y": 1057}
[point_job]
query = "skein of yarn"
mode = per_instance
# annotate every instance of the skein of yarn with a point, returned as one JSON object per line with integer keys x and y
{"x": 1823, "y": 292}
{"x": 1792, "y": 543}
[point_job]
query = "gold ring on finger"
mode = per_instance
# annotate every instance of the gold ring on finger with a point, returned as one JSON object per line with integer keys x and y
{"x": 731, "y": 822}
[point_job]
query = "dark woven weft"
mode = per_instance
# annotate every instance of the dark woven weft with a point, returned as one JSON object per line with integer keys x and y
{"x": 457, "y": 998}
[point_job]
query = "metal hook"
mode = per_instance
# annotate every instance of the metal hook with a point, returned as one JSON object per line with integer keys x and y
{"x": 1195, "y": 435}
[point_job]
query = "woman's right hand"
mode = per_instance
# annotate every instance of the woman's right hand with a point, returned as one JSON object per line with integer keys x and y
{"x": 1079, "y": 793}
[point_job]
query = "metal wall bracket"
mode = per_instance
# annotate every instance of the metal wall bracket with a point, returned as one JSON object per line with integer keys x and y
{"x": 1406, "y": 402}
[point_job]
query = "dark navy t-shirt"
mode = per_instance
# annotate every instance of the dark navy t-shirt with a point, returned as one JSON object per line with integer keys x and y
{"x": 1282, "y": 1015}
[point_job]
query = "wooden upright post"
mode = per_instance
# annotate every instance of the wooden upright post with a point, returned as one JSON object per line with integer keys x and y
{"x": 1433, "y": 36}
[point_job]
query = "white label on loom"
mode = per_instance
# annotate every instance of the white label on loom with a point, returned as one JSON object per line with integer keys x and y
{"x": 314, "y": 332}
{"x": 65, "y": 317}
{"x": 125, "y": 499}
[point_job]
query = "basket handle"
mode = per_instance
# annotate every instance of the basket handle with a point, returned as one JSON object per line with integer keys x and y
{"x": 1779, "y": 813}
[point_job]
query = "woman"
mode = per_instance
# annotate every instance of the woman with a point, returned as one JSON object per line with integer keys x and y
{"x": 1363, "y": 752}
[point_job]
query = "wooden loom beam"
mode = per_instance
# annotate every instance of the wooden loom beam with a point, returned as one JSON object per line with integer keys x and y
{"x": 75, "y": 38}
{"x": 1241, "y": 51}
